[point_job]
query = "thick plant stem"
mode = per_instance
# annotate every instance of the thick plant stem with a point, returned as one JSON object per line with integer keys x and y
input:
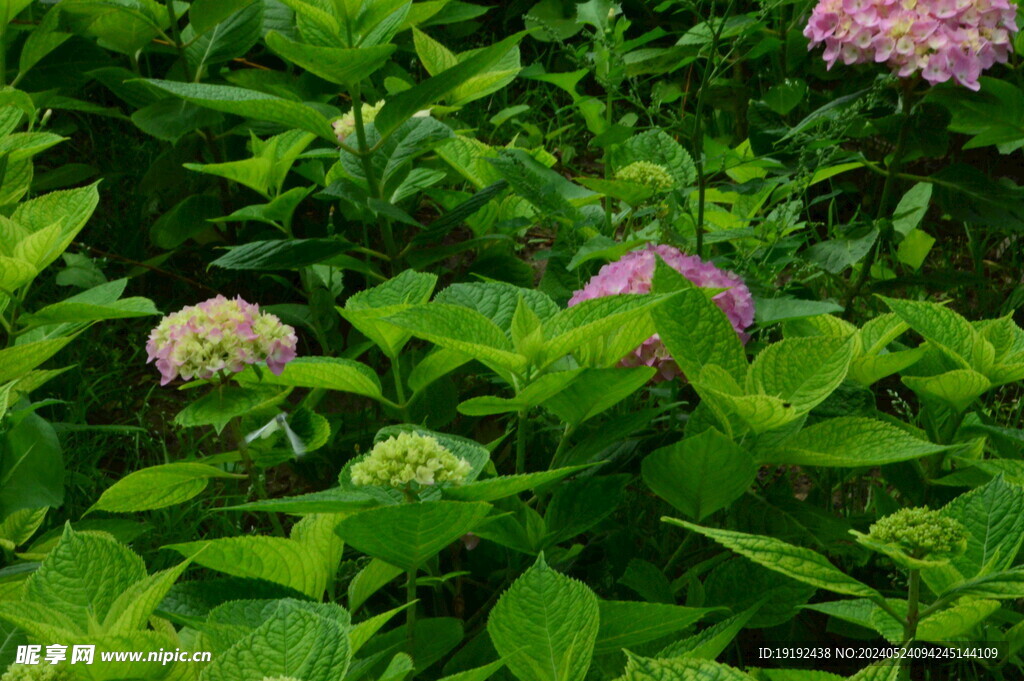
{"x": 410, "y": 612}
{"x": 366, "y": 157}
{"x": 521, "y": 427}
{"x": 913, "y": 606}
{"x": 396, "y": 371}
{"x": 256, "y": 484}
{"x": 891, "y": 175}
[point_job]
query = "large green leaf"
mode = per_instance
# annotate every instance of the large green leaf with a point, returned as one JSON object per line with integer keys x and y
{"x": 803, "y": 565}
{"x": 409, "y": 534}
{"x": 701, "y": 474}
{"x": 994, "y": 115}
{"x": 21, "y": 359}
{"x": 625, "y": 624}
{"x": 71, "y": 312}
{"x": 400, "y": 107}
{"x": 507, "y": 485}
{"x": 225, "y": 402}
{"x": 281, "y": 254}
{"x": 275, "y": 559}
{"x": 545, "y": 626}
{"x": 297, "y": 640}
{"x": 250, "y": 104}
{"x": 340, "y": 65}
{"x": 957, "y": 388}
{"x": 801, "y": 371}
{"x": 463, "y": 330}
{"x": 158, "y": 487}
{"x": 83, "y": 576}
{"x": 946, "y": 329}
{"x": 994, "y": 517}
{"x": 330, "y": 373}
{"x": 595, "y": 391}
{"x": 848, "y": 441}
{"x": 694, "y": 329}
{"x": 367, "y": 309}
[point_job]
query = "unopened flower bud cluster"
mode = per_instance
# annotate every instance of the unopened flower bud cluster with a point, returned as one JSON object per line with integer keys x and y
{"x": 397, "y": 461}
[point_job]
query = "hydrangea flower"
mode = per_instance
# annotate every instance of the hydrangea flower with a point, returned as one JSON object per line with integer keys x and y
{"x": 346, "y": 125}
{"x": 940, "y": 39}
{"x": 920, "y": 533}
{"x": 648, "y": 174}
{"x": 409, "y": 457}
{"x": 35, "y": 672}
{"x": 634, "y": 272}
{"x": 200, "y": 341}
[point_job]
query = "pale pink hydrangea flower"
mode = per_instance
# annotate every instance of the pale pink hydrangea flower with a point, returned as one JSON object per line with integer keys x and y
{"x": 634, "y": 272}
{"x": 200, "y": 341}
{"x": 940, "y": 39}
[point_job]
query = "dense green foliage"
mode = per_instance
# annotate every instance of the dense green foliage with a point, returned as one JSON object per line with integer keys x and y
{"x": 459, "y": 477}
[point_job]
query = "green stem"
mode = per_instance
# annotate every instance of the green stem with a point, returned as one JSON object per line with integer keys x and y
{"x": 606, "y": 161}
{"x": 256, "y": 483}
{"x": 913, "y": 603}
{"x": 521, "y": 427}
{"x": 178, "y": 44}
{"x": 410, "y": 611}
{"x": 366, "y": 158}
{"x": 891, "y": 175}
{"x": 396, "y": 372}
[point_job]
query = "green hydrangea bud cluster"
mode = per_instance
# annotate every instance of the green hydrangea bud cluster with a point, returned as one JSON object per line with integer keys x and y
{"x": 648, "y": 174}
{"x": 34, "y": 672}
{"x": 921, "y": 533}
{"x": 397, "y": 461}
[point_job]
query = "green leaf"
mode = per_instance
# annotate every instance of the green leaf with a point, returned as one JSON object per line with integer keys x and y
{"x": 694, "y": 329}
{"x": 625, "y": 624}
{"x": 250, "y": 104}
{"x": 204, "y": 15}
{"x": 407, "y": 535}
{"x": 368, "y": 581}
{"x": 477, "y": 674}
{"x": 334, "y": 500}
{"x": 275, "y": 559}
{"x": 463, "y": 330}
{"x": 69, "y": 312}
{"x": 18, "y": 360}
{"x": 340, "y": 65}
{"x": 948, "y": 330}
{"x": 595, "y": 391}
{"x": 187, "y": 219}
{"x": 508, "y": 485}
{"x": 911, "y": 208}
{"x": 19, "y": 526}
{"x": 760, "y": 412}
{"x": 801, "y": 371}
{"x": 297, "y": 640}
{"x": 545, "y": 626}
{"x": 330, "y": 373}
{"x": 158, "y": 487}
{"x": 701, "y": 474}
{"x": 132, "y": 609}
{"x": 848, "y": 441}
{"x": 601, "y": 330}
{"x": 229, "y": 39}
{"x": 224, "y": 403}
{"x": 84, "y": 576}
{"x": 994, "y": 517}
{"x": 993, "y": 115}
{"x": 957, "y": 388}
{"x": 709, "y": 643}
{"x": 657, "y": 146}
{"x": 400, "y": 107}
{"x": 1008, "y": 584}
{"x": 803, "y": 565}
{"x": 281, "y": 254}
{"x": 367, "y": 309}
{"x": 540, "y": 390}
{"x": 957, "y": 621}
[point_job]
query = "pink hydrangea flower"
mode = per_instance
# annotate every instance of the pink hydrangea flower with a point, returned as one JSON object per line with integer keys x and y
{"x": 200, "y": 341}
{"x": 634, "y": 272}
{"x": 940, "y": 39}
